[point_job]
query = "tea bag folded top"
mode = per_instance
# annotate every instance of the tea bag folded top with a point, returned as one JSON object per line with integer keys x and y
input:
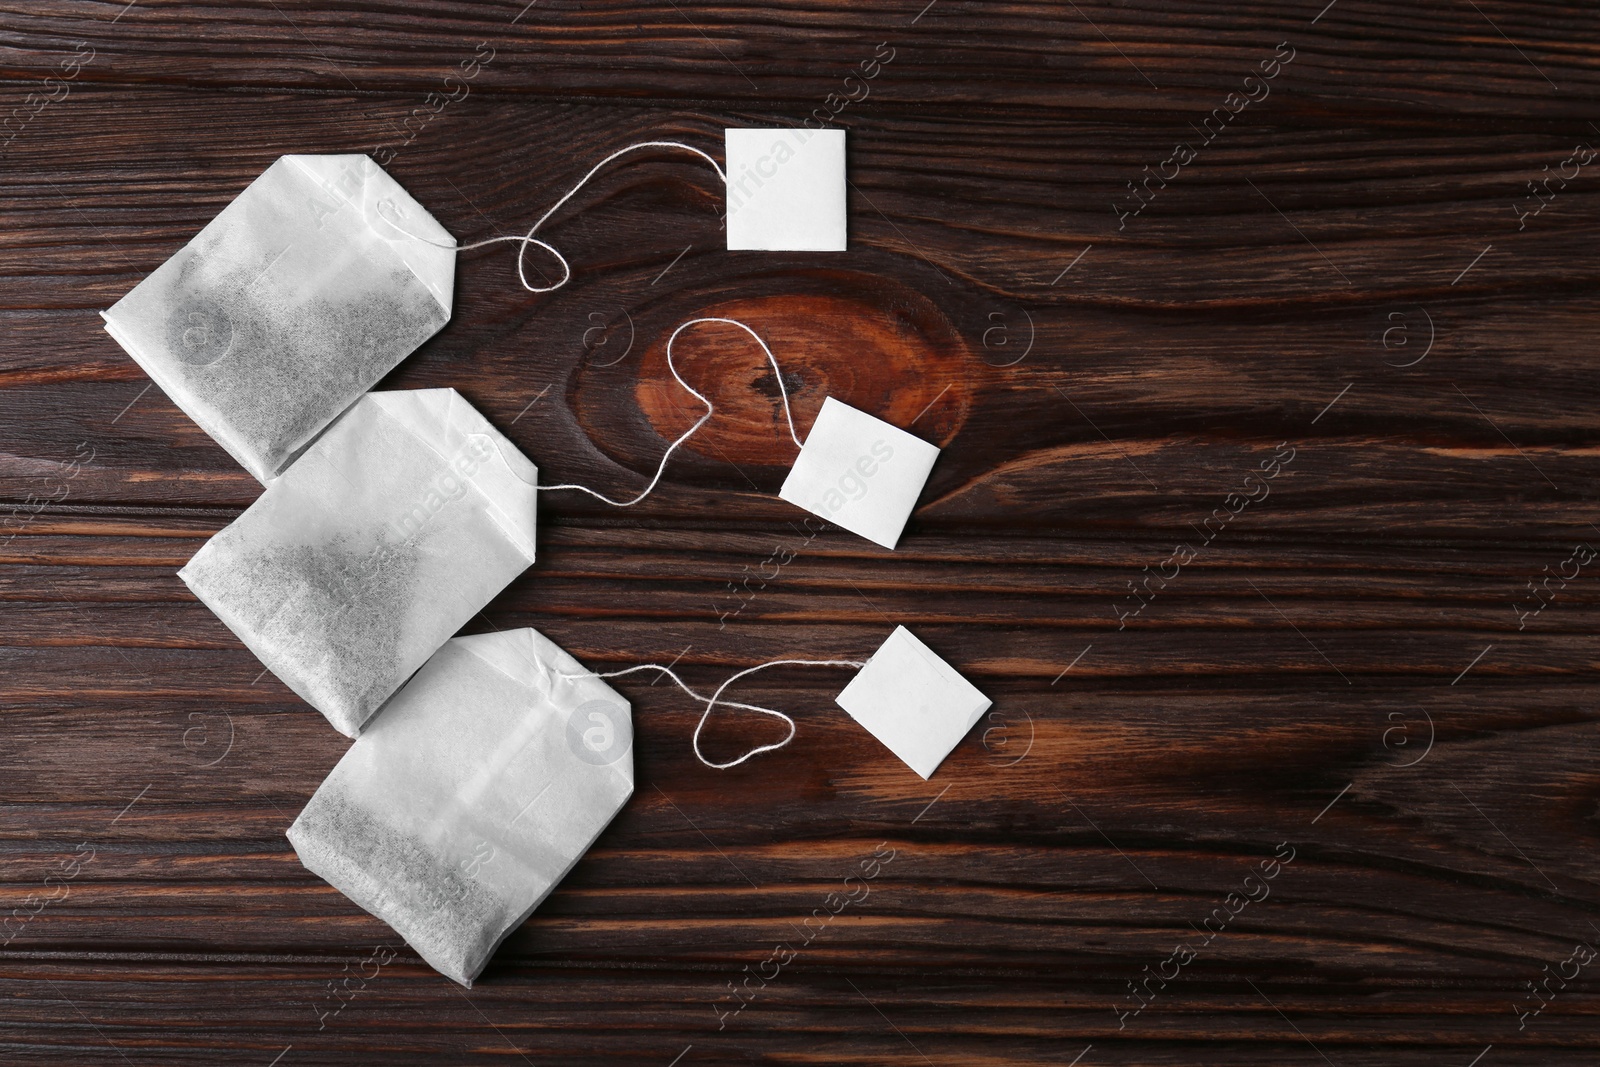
{"x": 392, "y": 530}
{"x": 478, "y": 788}
{"x": 304, "y": 291}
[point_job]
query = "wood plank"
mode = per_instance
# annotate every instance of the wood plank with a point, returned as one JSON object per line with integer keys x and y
{"x": 1501, "y": 60}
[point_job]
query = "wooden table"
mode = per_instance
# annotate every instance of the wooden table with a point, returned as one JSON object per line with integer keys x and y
{"x": 1260, "y": 344}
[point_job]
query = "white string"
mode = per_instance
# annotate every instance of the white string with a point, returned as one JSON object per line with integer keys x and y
{"x": 716, "y": 698}
{"x": 528, "y": 239}
{"x": 710, "y": 409}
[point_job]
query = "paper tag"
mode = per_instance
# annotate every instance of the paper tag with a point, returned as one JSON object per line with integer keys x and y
{"x": 913, "y": 701}
{"x": 859, "y": 472}
{"x": 786, "y": 189}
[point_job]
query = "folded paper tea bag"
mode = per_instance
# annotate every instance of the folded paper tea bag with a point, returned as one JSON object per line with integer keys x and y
{"x": 913, "y": 701}
{"x": 313, "y": 284}
{"x": 786, "y": 189}
{"x": 479, "y": 787}
{"x": 392, "y": 530}
{"x": 859, "y": 472}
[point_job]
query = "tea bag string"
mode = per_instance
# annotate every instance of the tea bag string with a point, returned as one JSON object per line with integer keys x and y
{"x": 710, "y": 410}
{"x": 529, "y": 239}
{"x": 714, "y": 699}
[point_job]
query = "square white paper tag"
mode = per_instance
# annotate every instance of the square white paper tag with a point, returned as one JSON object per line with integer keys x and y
{"x": 913, "y": 701}
{"x": 859, "y": 472}
{"x": 786, "y": 190}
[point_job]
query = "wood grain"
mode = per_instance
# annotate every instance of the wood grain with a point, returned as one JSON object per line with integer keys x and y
{"x": 1348, "y": 667}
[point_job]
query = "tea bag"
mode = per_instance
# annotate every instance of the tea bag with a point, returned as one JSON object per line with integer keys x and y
{"x": 290, "y": 304}
{"x": 392, "y": 530}
{"x": 479, "y": 787}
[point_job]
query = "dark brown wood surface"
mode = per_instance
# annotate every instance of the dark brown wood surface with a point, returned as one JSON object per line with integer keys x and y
{"x": 1352, "y": 669}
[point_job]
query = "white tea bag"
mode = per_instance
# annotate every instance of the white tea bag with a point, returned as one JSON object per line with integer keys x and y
{"x": 786, "y": 189}
{"x": 913, "y": 701}
{"x": 859, "y": 472}
{"x": 479, "y": 787}
{"x": 392, "y": 530}
{"x": 313, "y": 284}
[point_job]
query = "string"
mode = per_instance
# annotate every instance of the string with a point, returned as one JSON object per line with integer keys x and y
{"x": 385, "y": 209}
{"x": 710, "y": 410}
{"x": 716, "y": 698}
{"x": 529, "y": 239}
